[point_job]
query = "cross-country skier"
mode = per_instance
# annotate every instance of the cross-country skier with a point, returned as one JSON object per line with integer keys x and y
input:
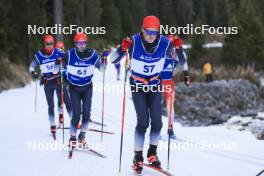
{"x": 168, "y": 78}
{"x": 148, "y": 52}
{"x": 45, "y": 60}
{"x": 80, "y": 63}
{"x": 60, "y": 47}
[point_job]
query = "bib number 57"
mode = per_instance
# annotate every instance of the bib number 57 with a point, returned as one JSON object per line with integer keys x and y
{"x": 148, "y": 68}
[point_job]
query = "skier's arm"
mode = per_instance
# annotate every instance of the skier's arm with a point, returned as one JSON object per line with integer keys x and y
{"x": 32, "y": 68}
{"x": 57, "y": 65}
{"x": 182, "y": 59}
{"x": 119, "y": 53}
{"x": 177, "y": 43}
{"x": 98, "y": 63}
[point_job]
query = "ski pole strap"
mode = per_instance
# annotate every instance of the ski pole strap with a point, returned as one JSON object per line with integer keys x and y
{"x": 144, "y": 80}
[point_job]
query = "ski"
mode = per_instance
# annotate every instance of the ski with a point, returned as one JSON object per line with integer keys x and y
{"x": 160, "y": 170}
{"x": 176, "y": 139}
{"x": 94, "y": 152}
{"x": 90, "y": 129}
{"x": 97, "y": 123}
{"x": 85, "y": 149}
{"x": 259, "y": 174}
{"x": 95, "y": 130}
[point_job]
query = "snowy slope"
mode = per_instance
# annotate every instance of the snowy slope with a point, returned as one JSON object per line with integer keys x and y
{"x": 20, "y": 125}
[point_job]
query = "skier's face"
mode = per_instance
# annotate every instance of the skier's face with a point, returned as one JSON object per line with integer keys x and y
{"x": 48, "y": 47}
{"x": 150, "y": 34}
{"x": 80, "y": 45}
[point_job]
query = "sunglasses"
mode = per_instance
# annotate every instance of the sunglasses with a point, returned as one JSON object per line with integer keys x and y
{"x": 49, "y": 44}
{"x": 81, "y": 43}
{"x": 149, "y": 32}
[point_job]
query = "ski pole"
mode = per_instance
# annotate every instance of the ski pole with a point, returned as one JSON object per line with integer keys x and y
{"x": 62, "y": 99}
{"x": 170, "y": 127}
{"x": 36, "y": 94}
{"x": 123, "y": 109}
{"x": 261, "y": 172}
{"x": 102, "y": 125}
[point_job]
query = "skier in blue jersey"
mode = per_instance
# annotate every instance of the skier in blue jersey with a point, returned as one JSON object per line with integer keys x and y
{"x": 80, "y": 63}
{"x": 45, "y": 59}
{"x": 168, "y": 78}
{"x": 148, "y": 51}
{"x": 60, "y": 47}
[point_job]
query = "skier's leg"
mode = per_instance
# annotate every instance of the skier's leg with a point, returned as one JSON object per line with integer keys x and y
{"x": 75, "y": 98}
{"x": 58, "y": 93}
{"x": 67, "y": 99}
{"x": 49, "y": 92}
{"x": 86, "y": 106}
{"x": 140, "y": 103}
{"x": 155, "y": 106}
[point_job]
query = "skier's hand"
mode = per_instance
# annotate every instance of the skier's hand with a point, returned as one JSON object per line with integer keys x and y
{"x": 186, "y": 78}
{"x": 126, "y": 44}
{"x": 104, "y": 60}
{"x": 177, "y": 42}
{"x": 34, "y": 75}
{"x": 105, "y": 54}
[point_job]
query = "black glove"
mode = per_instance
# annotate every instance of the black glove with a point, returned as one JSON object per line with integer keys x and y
{"x": 186, "y": 78}
{"x": 34, "y": 75}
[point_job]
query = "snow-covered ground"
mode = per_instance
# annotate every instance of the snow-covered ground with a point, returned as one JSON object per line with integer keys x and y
{"x": 238, "y": 153}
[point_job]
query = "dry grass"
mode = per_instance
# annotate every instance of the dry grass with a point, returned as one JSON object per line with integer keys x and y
{"x": 240, "y": 72}
{"x": 12, "y": 75}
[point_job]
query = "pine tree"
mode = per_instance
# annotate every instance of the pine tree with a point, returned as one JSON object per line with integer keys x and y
{"x": 247, "y": 46}
{"x": 110, "y": 19}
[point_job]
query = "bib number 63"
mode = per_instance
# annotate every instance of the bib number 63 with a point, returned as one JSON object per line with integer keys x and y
{"x": 82, "y": 72}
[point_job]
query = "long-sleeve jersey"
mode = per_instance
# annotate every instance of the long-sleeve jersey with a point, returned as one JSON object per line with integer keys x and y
{"x": 149, "y": 59}
{"x": 169, "y": 68}
{"x": 45, "y": 62}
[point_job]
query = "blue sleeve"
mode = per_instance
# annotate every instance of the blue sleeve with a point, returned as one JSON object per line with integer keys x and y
{"x": 170, "y": 57}
{"x": 34, "y": 63}
{"x": 97, "y": 61}
{"x": 181, "y": 56}
{"x": 117, "y": 55}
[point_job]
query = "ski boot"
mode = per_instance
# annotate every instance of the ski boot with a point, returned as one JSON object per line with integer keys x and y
{"x": 138, "y": 162}
{"x": 72, "y": 142}
{"x": 81, "y": 138}
{"x": 53, "y": 131}
{"x": 152, "y": 157}
{"x": 61, "y": 119}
